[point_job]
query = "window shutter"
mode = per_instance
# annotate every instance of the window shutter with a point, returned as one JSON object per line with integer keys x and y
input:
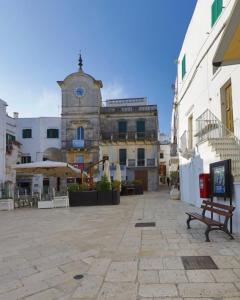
{"x": 183, "y": 66}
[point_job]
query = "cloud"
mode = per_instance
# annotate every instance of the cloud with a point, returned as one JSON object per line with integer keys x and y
{"x": 47, "y": 102}
{"x": 113, "y": 90}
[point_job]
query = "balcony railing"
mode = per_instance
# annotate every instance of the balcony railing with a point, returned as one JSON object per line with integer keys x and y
{"x": 79, "y": 144}
{"x": 127, "y": 109}
{"x": 129, "y": 136}
{"x": 149, "y": 162}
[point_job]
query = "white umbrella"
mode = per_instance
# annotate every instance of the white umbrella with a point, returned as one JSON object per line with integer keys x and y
{"x": 48, "y": 168}
{"x": 107, "y": 170}
{"x": 118, "y": 174}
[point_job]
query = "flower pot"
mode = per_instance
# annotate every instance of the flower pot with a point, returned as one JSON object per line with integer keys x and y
{"x": 174, "y": 194}
{"x": 86, "y": 198}
{"x": 104, "y": 197}
{"x": 115, "y": 197}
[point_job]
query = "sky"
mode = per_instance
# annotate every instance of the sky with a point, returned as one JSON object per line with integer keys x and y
{"x": 131, "y": 45}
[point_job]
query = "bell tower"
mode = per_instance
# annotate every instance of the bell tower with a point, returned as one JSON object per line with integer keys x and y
{"x": 81, "y": 102}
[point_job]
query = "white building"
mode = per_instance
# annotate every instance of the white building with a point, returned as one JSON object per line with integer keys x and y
{"x": 3, "y": 106}
{"x": 164, "y": 157}
{"x": 40, "y": 139}
{"x": 207, "y": 100}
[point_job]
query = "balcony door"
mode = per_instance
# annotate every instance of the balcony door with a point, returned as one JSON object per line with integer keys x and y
{"x": 122, "y": 157}
{"x": 141, "y": 129}
{"x": 122, "y": 129}
{"x": 141, "y": 157}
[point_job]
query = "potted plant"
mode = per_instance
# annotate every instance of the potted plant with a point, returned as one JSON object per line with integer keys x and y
{"x": 138, "y": 185}
{"x": 174, "y": 182}
{"x": 104, "y": 191}
{"x": 116, "y": 188}
{"x": 79, "y": 195}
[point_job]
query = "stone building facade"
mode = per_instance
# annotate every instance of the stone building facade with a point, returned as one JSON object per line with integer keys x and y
{"x": 124, "y": 130}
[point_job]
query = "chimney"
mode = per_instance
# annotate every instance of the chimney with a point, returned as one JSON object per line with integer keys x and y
{"x": 15, "y": 115}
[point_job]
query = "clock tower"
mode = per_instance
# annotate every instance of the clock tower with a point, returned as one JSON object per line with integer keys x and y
{"x": 81, "y": 102}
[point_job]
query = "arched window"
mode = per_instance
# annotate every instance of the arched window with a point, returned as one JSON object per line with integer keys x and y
{"x": 80, "y": 133}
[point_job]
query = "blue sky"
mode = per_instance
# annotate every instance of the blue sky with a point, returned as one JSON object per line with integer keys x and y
{"x": 130, "y": 45}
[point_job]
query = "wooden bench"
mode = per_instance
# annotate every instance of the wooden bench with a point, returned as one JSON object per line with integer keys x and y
{"x": 213, "y": 207}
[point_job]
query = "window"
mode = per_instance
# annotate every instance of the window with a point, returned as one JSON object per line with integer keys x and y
{"x": 184, "y": 66}
{"x": 161, "y": 155}
{"x": 122, "y": 157}
{"x": 80, "y": 133}
{"x": 25, "y": 159}
{"x": 79, "y": 159}
{"x": 10, "y": 138}
{"x": 27, "y": 133}
{"x": 217, "y": 7}
{"x": 141, "y": 129}
{"x": 52, "y": 133}
{"x": 141, "y": 157}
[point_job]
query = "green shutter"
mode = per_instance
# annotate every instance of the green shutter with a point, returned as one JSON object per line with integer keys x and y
{"x": 122, "y": 157}
{"x": 122, "y": 126}
{"x": 216, "y": 10}
{"x": 141, "y": 126}
{"x": 184, "y": 66}
{"x": 26, "y": 133}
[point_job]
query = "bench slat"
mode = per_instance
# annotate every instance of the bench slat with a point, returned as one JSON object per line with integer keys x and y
{"x": 219, "y": 205}
{"x": 205, "y": 220}
{"x": 217, "y": 211}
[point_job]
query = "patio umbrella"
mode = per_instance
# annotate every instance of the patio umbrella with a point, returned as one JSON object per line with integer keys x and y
{"x": 118, "y": 175}
{"x": 48, "y": 168}
{"x": 107, "y": 170}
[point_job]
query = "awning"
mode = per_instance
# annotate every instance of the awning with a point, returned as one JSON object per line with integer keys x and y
{"x": 48, "y": 168}
{"x": 228, "y": 51}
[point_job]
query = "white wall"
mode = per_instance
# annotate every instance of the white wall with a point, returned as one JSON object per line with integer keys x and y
{"x": 2, "y": 139}
{"x": 39, "y": 142}
{"x": 200, "y": 90}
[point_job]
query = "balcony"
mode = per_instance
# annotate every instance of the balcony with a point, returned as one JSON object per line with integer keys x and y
{"x": 149, "y": 162}
{"x": 128, "y": 109}
{"x": 129, "y": 136}
{"x": 79, "y": 144}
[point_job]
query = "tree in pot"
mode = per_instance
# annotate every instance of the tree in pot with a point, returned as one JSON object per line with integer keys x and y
{"x": 116, "y": 188}
{"x": 79, "y": 195}
{"x": 104, "y": 189}
{"x": 174, "y": 181}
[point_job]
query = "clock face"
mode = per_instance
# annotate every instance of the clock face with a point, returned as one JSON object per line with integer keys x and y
{"x": 80, "y": 92}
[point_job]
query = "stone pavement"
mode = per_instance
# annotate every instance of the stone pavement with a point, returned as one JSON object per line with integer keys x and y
{"x": 42, "y": 250}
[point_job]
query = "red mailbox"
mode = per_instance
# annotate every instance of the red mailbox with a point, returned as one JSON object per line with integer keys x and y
{"x": 204, "y": 185}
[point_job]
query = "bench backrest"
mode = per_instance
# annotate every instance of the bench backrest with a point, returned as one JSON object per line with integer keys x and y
{"x": 218, "y": 208}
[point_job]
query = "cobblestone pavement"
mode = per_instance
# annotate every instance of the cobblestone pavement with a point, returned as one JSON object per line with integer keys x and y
{"x": 42, "y": 250}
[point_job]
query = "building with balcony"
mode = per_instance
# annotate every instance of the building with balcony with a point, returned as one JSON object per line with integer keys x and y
{"x": 206, "y": 111}
{"x": 129, "y": 136}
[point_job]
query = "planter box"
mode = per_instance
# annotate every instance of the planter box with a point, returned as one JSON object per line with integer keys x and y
{"x": 61, "y": 201}
{"x": 115, "y": 197}
{"x": 45, "y": 204}
{"x": 6, "y": 204}
{"x": 105, "y": 198}
{"x": 86, "y": 198}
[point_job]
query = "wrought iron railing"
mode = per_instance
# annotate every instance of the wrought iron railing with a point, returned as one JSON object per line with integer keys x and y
{"x": 75, "y": 144}
{"x": 149, "y": 162}
{"x": 210, "y": 127}
{"x": 150, "y": 135}
{"x": 124, "y": 109}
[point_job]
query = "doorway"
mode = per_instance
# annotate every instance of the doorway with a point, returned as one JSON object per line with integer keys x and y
{"x": 227, "y": 107}
{"x": 143, "y": 176}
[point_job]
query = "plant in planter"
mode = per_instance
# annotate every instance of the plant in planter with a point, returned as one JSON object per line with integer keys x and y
{"x": 79, "y": 195}
{"x": 104, "y": 191}
{"x": 138, "y": 186}
{"x": 116, "y": 186}
{"x": 174, "y": 180}
{"x": 73, "y": 187}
